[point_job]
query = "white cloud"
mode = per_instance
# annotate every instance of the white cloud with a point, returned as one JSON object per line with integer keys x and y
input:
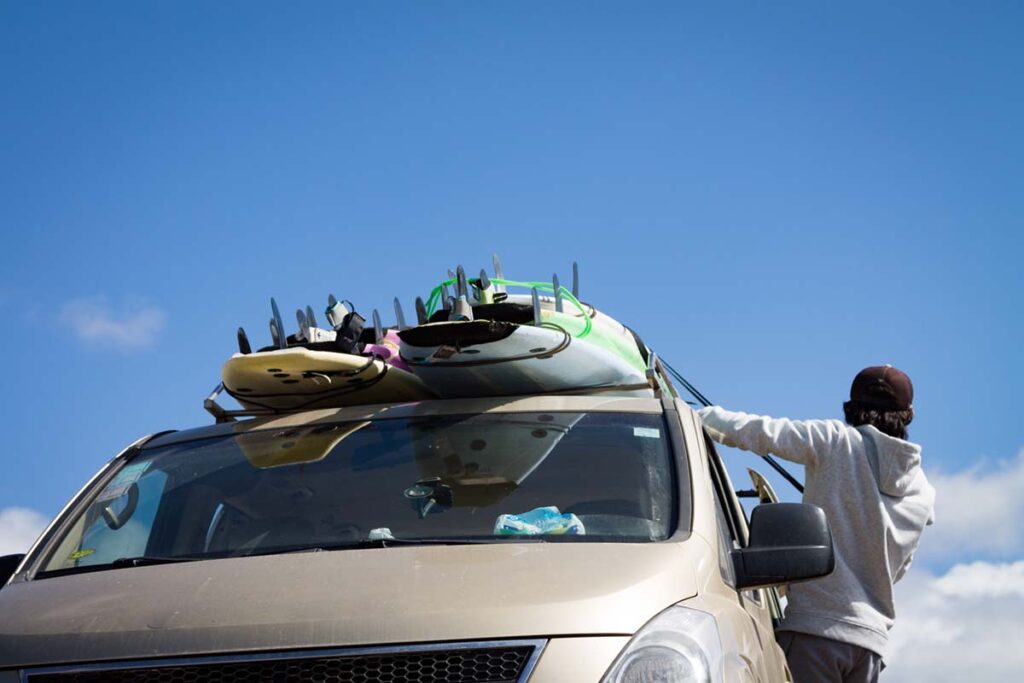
{"x": 963, "y": 626}
{"x": 983, "y": 580}
{"x": 976, "y": 514}
{"x": 93, "y": 320}
{"x": 19, "y": 528}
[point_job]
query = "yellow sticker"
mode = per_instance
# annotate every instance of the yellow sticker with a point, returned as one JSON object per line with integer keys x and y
{"x": 79, "y": 554}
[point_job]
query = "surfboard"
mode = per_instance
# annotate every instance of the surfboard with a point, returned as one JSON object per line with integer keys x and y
{"x": 300, "y": 378}
{"x": 500, "y": 358}
{"x": 606, "y": 331}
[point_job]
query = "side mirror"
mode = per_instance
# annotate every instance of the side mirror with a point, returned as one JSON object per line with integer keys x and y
{"x": 789, "y": 542}
{"x": 8, "y": 563}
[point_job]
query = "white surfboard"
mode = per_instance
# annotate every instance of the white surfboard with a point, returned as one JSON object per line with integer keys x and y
{"x": 487, "y": 358}
{"x": 607, "y": 323}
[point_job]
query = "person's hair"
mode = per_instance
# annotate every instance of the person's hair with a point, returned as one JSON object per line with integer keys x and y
{"x": 891, "y": 422}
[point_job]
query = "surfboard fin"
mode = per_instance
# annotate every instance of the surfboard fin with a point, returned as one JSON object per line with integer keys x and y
{"x": 537, "y": 319}
{"x": 446, "y": 298}
{"x": 498, "y": 274}
{"x": 378, "y": 329}
{"x": 300, "y": 317}
{"x": 462, "y": 310}
{"x": 282, "y": 338}
{"x": 400, "y": 316}
{"x": 421, "y": 312}
{"x": 558, "y": 293}
{"x": 576, "y": 281}
{"x": 311, "y": 317}
{"x": 485, "y": 292}
{"x": 275, "y": 335}
{"x": 243, "y": 342}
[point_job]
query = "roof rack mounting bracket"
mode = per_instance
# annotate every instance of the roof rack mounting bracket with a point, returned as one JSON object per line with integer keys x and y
{"x": 652, "y": 374}
{"x": 213, "y": 408}
{"x": 221, "y": 415}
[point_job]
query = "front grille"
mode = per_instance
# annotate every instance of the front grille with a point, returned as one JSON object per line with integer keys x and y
{"x": 506, "y": 664}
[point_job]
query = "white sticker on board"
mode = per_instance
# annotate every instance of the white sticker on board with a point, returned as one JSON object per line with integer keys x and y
{"x": 647, "y": 432}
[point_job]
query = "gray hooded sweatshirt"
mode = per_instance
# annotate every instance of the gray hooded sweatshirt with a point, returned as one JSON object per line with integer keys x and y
{"x": 878, "y": 501}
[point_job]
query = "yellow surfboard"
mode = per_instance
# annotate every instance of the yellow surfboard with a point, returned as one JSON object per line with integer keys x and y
{"x": 297, "y": 378}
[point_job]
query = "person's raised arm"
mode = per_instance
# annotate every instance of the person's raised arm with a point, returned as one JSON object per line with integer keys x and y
{"x": 799, "y": 441}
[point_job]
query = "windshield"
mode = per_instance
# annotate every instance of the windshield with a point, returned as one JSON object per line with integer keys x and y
{"x": 483, "y": 478}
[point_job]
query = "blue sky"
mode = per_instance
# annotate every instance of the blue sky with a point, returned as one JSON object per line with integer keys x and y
{"x": 774, "y": 196}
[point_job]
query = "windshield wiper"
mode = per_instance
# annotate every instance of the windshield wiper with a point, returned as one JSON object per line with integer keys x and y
{"x": 123, "y": 562}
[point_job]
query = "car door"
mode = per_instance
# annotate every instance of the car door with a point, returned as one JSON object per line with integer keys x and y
{"x": 761, "y": 605}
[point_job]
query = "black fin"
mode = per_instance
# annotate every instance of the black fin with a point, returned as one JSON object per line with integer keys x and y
{"x": 275, "y": 335}
{"x": 282, "y": 340}
{"x": 378, "y": 329}
{"x": 421, "y": 312}
{"x": 243, "y": 342}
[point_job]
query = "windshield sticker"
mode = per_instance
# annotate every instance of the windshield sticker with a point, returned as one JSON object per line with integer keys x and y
{"x": 647, "y": 432}
{"x": 79, "y": 554}
{"x": 123, "y": 481}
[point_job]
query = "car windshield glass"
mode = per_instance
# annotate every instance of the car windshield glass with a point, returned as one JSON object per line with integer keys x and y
{"x": 486, "y": 478}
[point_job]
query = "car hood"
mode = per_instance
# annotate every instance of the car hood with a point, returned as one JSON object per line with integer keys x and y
{"x": 342, "y": 598}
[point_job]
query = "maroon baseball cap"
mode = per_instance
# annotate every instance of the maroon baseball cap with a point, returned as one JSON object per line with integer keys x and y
{"x": 883, "y": 386}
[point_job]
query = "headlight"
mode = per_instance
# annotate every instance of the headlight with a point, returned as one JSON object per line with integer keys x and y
{"x": 680, "y": 645}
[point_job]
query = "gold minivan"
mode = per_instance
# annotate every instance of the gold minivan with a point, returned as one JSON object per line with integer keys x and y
{"x": 546, "y": 539}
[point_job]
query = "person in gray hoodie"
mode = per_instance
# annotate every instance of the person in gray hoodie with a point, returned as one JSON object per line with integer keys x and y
{"x": 868, "y": 479}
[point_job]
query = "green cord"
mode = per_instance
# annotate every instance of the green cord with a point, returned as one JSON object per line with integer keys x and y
{"x": 435, "y": 297}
